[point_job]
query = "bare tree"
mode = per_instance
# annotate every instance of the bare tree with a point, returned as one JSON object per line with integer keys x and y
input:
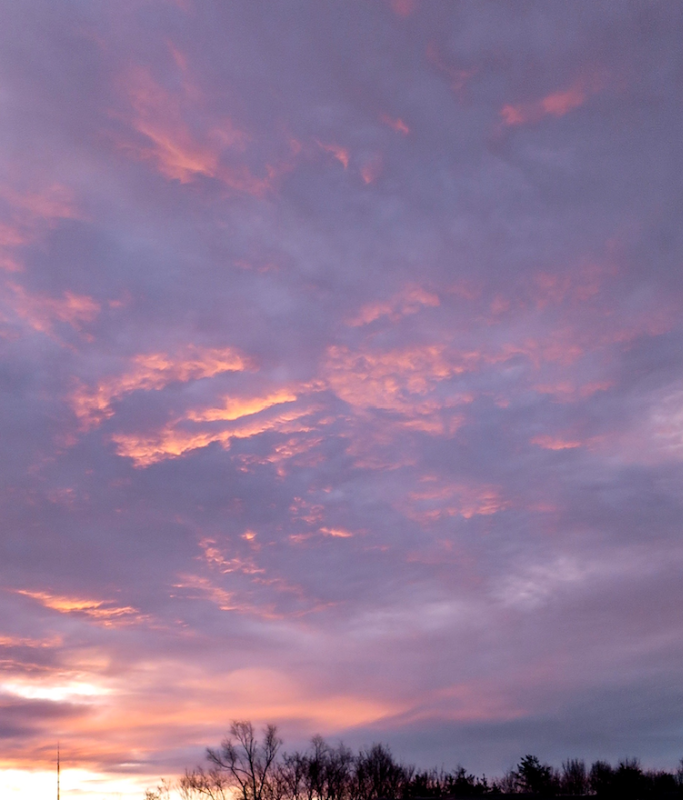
{"x": 574, "y": 777}
{"x": 288, "y": 780}
{"x": 245, "y": 761}
{"x": 507, "y": 783}
{"x": 198, "y": 783}
{"x": 378, "y": 775}
{"x": 338, "y": 766}
{"x": 162, "y": 791}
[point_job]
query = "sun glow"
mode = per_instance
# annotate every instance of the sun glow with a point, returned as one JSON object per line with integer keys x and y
{"x": 20, "y": 784}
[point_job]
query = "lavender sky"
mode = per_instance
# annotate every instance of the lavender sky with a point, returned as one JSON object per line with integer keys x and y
{"x": 341, "y": 380}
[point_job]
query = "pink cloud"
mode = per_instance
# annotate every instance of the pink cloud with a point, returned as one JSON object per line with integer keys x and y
{"x": 397, "y": 124}
{"x": 556, "y": 104}
{"x": 410, "y": 300}
{"x": 403, "y": 8}
{"x": 339, "y": 152}
{"x": 42, "y": 312}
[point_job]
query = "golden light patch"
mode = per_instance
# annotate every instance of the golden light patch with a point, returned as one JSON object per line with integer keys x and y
{"x": 173, "y": 441}
{"x": 101, "y": 611}
{"x": 234, "y": 408}
{"x": 165, "y": 137}
{"x": 338, "y": 533}
{"x": 152, "y": 372}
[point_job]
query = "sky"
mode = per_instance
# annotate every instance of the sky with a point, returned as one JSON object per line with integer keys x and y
{"x": 341, "y": 382}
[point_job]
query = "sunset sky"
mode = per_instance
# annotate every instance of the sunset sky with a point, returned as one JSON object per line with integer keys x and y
{"x": 341, "y": 381}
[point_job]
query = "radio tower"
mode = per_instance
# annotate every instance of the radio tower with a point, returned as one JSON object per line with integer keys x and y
{"x": 57, "y": 770}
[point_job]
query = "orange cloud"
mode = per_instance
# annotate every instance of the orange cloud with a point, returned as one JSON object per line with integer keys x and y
{"x": 21, "y": 641}
{"x": 158, "y": 116}
{"x": 153, "y": 371}
{"x": 338, "y": 533}
{"x": 173, "y": 440}
{"x": 224, "y": 600}
{"x": 178, "y": 152}
{"x": 102, "y": 611}
{"x": 249, "y": 417}
{"x": 215, "y": 558}
{"x": 556, "y": 104}
{"x": 409, "y": 301}
{"x": 234, "y": 408}
{"x": 396, "y": 379}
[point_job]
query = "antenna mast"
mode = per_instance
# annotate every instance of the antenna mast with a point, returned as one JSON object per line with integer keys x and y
{"x": 57, "y": 770}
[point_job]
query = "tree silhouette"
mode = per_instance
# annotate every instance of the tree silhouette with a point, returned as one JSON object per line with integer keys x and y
{"x": 245, "y": 762}
{"x": 378, "y": 775}
{"x": 601, "y": 779}
{"x": 574, "y": 779}
{"x": 246, "y": 767}
{"x": 535, "y": 778}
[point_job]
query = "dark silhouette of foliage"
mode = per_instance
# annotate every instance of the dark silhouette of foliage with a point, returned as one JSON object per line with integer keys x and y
{"x": 246, "y": 767}
{"x": 323, "y": 773}
{"x": 532, "y": 777}
{"x": 574, "y": 778}
{"x": 601, "y": 779}
{"x": 377, "y": 775}
{"x": 629, "y": 781}
{"x": 438, "y": 783}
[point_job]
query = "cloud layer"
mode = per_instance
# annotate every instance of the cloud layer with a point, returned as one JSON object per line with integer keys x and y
{"x": 341, "y": 380}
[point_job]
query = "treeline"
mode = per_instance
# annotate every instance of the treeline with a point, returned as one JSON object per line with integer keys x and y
{"x": 249, "y": 767}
